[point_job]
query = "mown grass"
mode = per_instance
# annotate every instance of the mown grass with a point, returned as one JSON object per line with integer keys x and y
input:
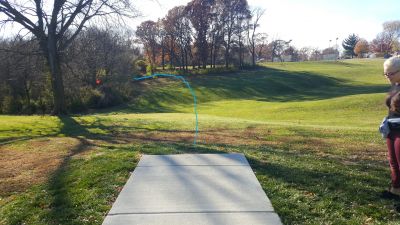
{"x": 308, "y": 130}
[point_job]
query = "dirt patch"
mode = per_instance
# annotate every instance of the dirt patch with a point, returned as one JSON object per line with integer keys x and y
{"x": 245, "y": 136}
{"x": 24, "y": 165}
{"x": 335, "y": 148}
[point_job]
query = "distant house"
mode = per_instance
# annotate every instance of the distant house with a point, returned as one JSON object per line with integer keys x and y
{"x": 284, "y": 58}
{"x": 331, "y": 56}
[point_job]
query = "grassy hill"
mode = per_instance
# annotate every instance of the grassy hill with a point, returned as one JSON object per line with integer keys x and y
{"x": 349, "y": 92}
{"x": 308, "y": 129}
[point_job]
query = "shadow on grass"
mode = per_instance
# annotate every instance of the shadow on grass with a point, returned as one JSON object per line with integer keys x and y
{"x": 302, "y": 186}
{"x": 68, "y": 127}
{"x": 305, "y": 187}
{"x": 61, "y": 207}
{"x": 263, "y": 84}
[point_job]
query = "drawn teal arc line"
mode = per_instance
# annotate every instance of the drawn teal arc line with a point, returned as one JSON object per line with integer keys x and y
{"x": 191, "y": 91}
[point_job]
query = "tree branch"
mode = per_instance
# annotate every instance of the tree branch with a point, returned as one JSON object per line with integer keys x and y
{"x": 17, "y": 16}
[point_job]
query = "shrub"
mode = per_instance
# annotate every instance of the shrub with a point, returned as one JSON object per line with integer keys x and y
{"x": 90, "y": 97}
{"x": 11, "y": 105}
{"x": 76, "y": 105}
{"x": 140, "y": 65}
{"x": 42, "y": 106}
{"x": 29, "y": 108}
{"x": 170, "y": 67}
{"x": 150, "y": 69}
{"x": 109, "y": 97}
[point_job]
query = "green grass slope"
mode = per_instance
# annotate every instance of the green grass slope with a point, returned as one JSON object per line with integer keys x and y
{"x": 309, "y": 131}
{"x": 346, "y": 93}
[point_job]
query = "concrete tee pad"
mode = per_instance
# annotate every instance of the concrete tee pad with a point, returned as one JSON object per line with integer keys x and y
{"x": 192, "y": 189}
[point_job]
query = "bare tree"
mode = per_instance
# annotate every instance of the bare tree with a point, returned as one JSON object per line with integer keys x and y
{"x": 277, "y": 48}
{"x": 382, "y": 44}
{"x": 316, "y": 54}
{"x": 305, "y": 53}
{"x": 20, "y": 74}
{"x": 199, "y": 13}
{"x": 148, "y": 32}
{"x": 261, "y": 45}
{"x": 232, "y": 11}
{"x": 240, "y": 29}
{"x": 161, "y": 39}
{"x": 391, "y": 29}
{"x": 215, "y": 37}
{"x": 177, "y": 25}
{"x": 292, "y": 52}
{"x": 251, "y": 32}
{"x": 56, "y": 24}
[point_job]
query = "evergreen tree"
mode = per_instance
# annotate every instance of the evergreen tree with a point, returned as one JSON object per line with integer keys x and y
{"x": 349, "y": 44}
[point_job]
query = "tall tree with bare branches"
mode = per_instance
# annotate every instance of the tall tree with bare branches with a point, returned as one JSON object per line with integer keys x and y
{"x": 199, "y": 13}
{"x": 232, "y": 12}
{"x": 147, "y": 32}
{"x": 251, "y": 31}
{"x": 55, "y": 24}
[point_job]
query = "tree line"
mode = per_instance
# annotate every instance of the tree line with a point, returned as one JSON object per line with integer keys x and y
{"x": 384, "y": 44}
{"x": 63, "y": 62}
{"x": 96, "y": 70}
{"x": 54, "y": 25}
{"x": 201, "y": 33}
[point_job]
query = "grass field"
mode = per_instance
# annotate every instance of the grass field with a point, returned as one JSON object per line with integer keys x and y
{"x": 309, "y": 131}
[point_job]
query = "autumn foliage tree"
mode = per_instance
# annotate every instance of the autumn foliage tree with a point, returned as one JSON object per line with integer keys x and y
{"x": 204, "y": 32}
{"x": 381, "y": 44}
{"x": 361, "y": 48}
{"x": 147, "y": 33}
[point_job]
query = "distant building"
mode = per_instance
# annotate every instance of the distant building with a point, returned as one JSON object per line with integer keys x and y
{"x": 284, "y": 58}
{"x": 332, "y": 56}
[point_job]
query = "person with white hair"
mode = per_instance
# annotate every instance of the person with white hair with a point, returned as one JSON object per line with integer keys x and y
{"x": 391, "y": 68}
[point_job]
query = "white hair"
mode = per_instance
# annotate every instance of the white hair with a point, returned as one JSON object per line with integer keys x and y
{"x": 392, "y": 64}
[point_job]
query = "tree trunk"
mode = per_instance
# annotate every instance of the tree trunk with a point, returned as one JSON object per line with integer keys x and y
{"x": 204, "y": 52}
{"x": 171, "y": 52}
{"x": 227, "y": 49}
{"x": 92, "y": 71}
{"x": 240, "y": 53}
{"x": 186, "y": 60}
{"x": 215, "y": 56}
{"x": 163, "y": 55}
{"x": 27, "y": 86}
{"x": 254, "y": 54}
{"x": 226, "y": 57}
{"x": 182, "y": 66}
{"x": 211, "y": 55}
{"x": 27, "y": 92}
{"x": 56, "y": 80}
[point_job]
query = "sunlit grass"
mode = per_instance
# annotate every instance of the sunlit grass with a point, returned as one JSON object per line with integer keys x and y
{"x": 308, "y": 129}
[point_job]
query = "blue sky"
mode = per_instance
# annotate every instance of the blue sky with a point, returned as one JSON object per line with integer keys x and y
{"x": 310, "y": 23}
